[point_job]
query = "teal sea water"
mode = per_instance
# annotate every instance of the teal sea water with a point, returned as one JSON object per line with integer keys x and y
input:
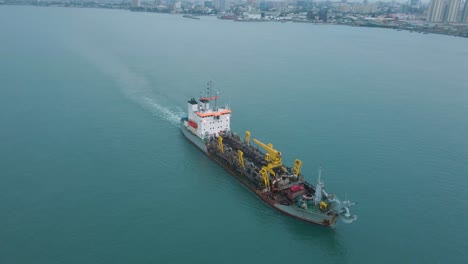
{"x": 93, "y": 168}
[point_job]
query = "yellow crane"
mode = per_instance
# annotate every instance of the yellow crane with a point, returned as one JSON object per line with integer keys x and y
{"x": 220, "y": 144}
{"x": 266, "y": 179}
{"x": 247, "y": 137}
{"x": 240, "y": 156}
{"x": 273, "y": 157}
{"x": 297, "y": 167}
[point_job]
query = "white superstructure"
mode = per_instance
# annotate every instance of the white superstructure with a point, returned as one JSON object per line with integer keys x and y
{"x": 205, "y": 121}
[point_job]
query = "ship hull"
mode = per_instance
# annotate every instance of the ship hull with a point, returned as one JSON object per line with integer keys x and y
{"x": 290, "y": 210}
{"x": 193, "y": 138}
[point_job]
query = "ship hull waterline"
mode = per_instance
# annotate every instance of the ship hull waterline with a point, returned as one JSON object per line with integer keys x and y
{"x": 286, "y": 210}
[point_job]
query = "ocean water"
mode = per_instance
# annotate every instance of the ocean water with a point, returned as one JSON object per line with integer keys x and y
{"x": 93, "y": 168}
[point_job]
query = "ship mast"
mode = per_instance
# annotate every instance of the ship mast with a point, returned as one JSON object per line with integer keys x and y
{"x": 318, "y": 188}
{"x": 209, "y": 88}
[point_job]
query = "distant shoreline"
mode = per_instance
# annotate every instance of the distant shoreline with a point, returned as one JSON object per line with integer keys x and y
{"x": 440, "y": 29}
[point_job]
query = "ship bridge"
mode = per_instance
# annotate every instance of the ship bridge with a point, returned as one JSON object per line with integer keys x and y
{"x": 204, "y": 120}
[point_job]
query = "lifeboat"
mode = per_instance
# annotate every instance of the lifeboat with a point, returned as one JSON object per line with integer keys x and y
{"x": 192, "y": 124}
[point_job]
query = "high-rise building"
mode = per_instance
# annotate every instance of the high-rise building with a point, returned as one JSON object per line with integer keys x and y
{"x": 435, "y": 13}
{"x": 452, "y": 11}
{"x": 465, "y": 13}
{"x": 220, "y": 4}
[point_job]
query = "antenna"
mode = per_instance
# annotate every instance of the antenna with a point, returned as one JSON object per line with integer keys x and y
{"x": 216, "y": 99}
{"x": 318, "y": 188}
{"x": 211, "y": 88}
{"x": 208, "y": 92}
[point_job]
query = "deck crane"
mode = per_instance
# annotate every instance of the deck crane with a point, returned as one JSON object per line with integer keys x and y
{"x": 272, "y": 156}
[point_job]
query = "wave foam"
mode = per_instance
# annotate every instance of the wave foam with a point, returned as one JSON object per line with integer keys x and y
{"x": 133, "y": 85}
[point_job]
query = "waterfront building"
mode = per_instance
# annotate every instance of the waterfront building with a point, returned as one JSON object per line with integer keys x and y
{"x": 208, "y": 4}
{"x": 358, "y": 8}
{"x": 355, "y": 8}
{"x": 452, "y": 11}
{"x": 465, "y": 13}
{"x": 136, "y": 3}
{"x": 251, "y": 2}
{"x": 435, "y": 13}
{"x": 178, "y": 6}
{"x": 220, "y": 4}
{"x": 415, "y": 3}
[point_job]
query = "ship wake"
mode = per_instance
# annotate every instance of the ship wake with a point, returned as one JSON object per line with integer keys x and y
{"x": 138, "y": 89}
{"x": 134, "y": 85}
{"x": 172, "y": 115}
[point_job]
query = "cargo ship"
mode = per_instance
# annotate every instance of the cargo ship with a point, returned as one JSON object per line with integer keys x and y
{"x": 261, "y": 171}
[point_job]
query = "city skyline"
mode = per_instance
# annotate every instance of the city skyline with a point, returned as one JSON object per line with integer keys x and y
{"x": 449, "y": 11}
{"x": 453, "y": 7}
{"x": 465, "y": 13}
